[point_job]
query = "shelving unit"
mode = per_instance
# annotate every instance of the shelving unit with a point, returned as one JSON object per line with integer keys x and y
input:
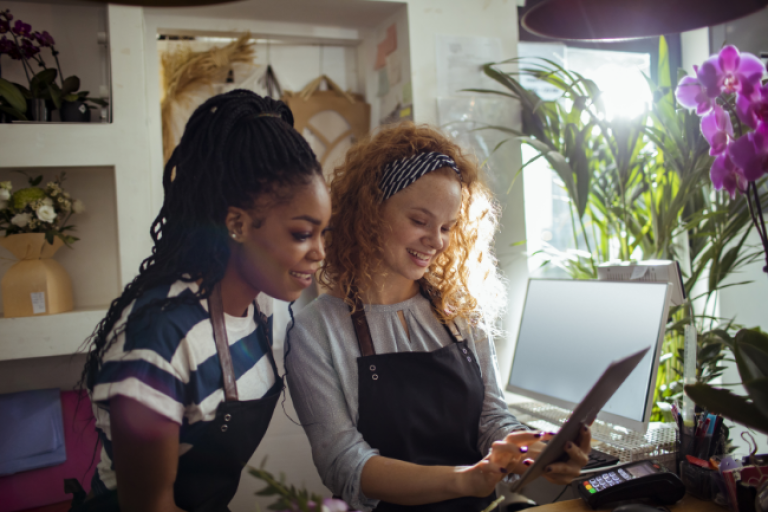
{"x": 112, "y": 166}
{"x": 52, "y": 335}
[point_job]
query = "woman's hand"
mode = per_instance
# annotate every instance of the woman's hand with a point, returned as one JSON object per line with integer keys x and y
{"x": 561, "y": 473}
{"x": 519, "y": 449}
{"x": 480, "y": 480}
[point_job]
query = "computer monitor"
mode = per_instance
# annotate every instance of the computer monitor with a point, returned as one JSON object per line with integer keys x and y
{"x": 570, "y": 332}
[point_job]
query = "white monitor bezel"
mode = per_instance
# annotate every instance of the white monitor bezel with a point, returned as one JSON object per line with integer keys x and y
{"x": 637, "y": 426}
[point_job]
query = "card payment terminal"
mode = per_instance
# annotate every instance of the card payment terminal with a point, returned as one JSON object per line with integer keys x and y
{"x": 645, "y": 479}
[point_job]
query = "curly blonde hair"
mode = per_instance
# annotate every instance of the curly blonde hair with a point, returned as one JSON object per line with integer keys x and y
{"x": 463, "y": 281}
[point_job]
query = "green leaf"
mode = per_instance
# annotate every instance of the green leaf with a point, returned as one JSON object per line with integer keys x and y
{"x": 13, "y": 112}
{"x": 55, "y": 94}
{"x": 24, "y": 91}
{"x": 758, "y": 392}
{"x": 40, "y": 82}
{"x": 728, "y": 404}
{"x": 12, "y": 94}
{"x": 98, "y": 101}
{"x": 751, "y": 354}
{"x": 70, "y": 85}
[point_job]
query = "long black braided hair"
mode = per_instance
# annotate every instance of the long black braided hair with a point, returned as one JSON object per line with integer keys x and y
{"x": 236, "y": 147}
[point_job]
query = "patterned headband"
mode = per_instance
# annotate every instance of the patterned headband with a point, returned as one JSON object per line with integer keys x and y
{"x": 401, "y": 173}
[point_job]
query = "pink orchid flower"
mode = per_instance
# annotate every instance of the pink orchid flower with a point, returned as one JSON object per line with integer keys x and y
{"x": 731, "y": 72}
{"x": 726, "y": 175}
{"x": 691, "y": 94}
{"x": 755, "y": 110}
{"x": 750, "y": 153}
{"x": 717, "y": 129}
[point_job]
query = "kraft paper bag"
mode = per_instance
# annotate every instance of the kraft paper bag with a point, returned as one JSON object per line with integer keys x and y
{"x": 37, "y": 284}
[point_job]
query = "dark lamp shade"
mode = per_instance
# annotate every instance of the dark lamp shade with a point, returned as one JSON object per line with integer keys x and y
{"x": 164, "y": 3}
{"x": 591, "y": 20}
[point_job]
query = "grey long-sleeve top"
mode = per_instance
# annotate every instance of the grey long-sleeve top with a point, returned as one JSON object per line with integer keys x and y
{"x": 322, "y": 378}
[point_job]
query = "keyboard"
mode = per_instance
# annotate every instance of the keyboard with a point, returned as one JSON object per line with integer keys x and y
{"x": 598, "y": 459}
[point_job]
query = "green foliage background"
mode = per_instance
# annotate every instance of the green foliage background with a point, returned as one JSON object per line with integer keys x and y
{"x": 641, "y": 185}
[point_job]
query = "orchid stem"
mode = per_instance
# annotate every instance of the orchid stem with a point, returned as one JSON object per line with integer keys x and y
{"x": 24, "y": 63}
{"x": 58, "y": 66}
{"x": 763, "y": 234}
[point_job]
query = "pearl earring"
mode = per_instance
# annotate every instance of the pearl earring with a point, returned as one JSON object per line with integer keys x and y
{"x": 233, "y": 235}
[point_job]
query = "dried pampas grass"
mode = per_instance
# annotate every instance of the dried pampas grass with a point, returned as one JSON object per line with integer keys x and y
{"x": 187, "y": 81}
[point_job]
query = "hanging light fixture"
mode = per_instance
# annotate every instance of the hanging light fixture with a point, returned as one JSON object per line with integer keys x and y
{"x": 164, "y": 3}
{"x": 590, "y": 20}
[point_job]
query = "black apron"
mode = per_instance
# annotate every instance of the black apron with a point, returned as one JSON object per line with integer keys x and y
{"x": 209, "y": 473}
{"x": 421, "y": 407}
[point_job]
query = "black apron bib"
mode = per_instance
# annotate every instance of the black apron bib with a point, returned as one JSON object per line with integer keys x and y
{"x": 209, "y": 473}
{"x": 421, "y": 407}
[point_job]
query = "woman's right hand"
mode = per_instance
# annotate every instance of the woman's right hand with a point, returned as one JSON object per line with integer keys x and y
{"x": 479, "y": 480}
{"x": 516, "y": 451}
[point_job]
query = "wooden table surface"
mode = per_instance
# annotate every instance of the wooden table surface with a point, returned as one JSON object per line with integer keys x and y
{"x": 687, "y": 504}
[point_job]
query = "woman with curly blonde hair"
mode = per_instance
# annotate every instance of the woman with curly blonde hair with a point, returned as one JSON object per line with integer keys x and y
{"x": 393, "y": 372}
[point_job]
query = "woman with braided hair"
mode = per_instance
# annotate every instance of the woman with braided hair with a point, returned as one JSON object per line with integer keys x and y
{"x": 180, "y": 372}
{"x": 411, "y": 414}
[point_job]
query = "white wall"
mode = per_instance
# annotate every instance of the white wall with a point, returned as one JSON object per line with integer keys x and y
{"x": 492, "y": 19}
{"x": 400, "y": 91}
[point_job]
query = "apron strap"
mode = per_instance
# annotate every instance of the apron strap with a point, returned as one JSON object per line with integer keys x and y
{"x": 450, "y": 326}
{"x": 363, "y": 331}
{"x": 262, "y": 324}
{"x": 454, "y": 331}
{"x": 216, "y": 309}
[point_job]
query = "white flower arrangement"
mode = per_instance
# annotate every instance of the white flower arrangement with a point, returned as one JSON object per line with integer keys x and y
{"x": 38, "y": 210}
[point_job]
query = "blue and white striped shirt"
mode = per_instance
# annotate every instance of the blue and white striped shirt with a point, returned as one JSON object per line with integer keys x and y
{"x": 167, "y": 361}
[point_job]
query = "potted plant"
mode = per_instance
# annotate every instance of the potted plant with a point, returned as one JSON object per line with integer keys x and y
{"x": 640, "y": 189}
{"x": 43, "y": 93}
{"x": 728, "y": 90}
{"x": 35, "y": 222}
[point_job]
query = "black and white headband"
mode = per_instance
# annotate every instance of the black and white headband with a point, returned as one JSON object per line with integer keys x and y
{"x": 401, "y": 173}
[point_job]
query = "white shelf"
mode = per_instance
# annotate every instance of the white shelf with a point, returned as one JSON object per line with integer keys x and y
{"x": 31, "y": 145}
{"x": 47, "y": 335}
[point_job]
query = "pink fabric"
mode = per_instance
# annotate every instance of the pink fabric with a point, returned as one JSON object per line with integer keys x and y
{"x": 45, "y": 486}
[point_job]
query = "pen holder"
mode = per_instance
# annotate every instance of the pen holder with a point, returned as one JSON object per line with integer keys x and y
{"x": 698, "y": 481}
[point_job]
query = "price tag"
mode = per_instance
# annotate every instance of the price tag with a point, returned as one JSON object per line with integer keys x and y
{"x": 38, "y": 302}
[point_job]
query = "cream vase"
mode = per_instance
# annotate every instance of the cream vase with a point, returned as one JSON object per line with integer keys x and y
{"x": 36, "y": 285}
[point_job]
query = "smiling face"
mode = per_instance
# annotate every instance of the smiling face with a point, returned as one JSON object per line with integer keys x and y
{"x": 417, "y": 226}
{"x": 277, "y": 247}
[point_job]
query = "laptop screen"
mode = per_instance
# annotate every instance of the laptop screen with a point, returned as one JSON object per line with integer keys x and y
{"x": 572, "y": 330}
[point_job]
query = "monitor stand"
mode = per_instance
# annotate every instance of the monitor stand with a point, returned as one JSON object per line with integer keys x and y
{"x": 628, "y": 445}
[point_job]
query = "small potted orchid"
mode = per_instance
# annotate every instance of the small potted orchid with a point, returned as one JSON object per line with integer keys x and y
{"x": 729, "y": 89}
{"x": 19, "y": 42}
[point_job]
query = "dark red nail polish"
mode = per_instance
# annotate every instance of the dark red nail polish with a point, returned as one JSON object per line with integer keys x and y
{"x": 527, "y": 462}
{"x": 548, "y": 470}
{"x": 538, "y": 434}
{"x": 584, "y": 428}
{"x": 503, "y": 470}
{"x": 569, "y": 445}
{"x": 523, "y": 449}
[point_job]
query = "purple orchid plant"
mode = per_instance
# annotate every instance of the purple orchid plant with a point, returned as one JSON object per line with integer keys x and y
{"x": 727, "y": 89}
{"x": 19, "y": 42}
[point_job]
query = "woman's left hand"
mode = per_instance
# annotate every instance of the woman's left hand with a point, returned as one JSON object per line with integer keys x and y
{"x": 506, "y": 453}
